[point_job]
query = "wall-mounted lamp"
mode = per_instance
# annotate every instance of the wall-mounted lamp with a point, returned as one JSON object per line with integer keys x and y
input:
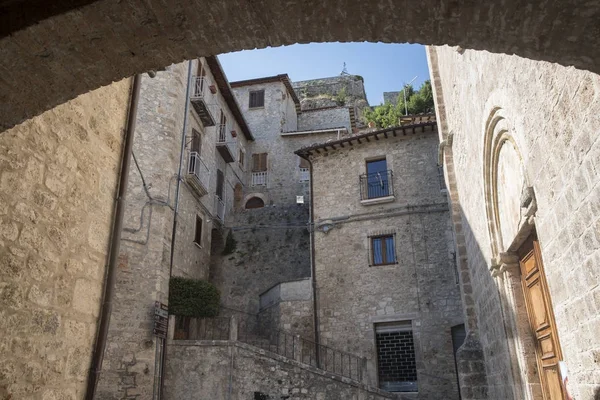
{"x": 325, "y": 226}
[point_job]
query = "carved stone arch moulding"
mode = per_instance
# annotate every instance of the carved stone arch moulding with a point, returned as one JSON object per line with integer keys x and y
{"x": 509, "y": 199}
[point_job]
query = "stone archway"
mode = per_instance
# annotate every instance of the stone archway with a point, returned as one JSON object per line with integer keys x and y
{"x": 510, "y": 208}
{"x": 254, "y": 202}
{"x": 54, "y": 51}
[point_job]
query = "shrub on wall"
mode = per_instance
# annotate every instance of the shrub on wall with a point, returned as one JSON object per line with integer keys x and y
{"x": 193, "y": 298}
{"x": 230, "y": 244}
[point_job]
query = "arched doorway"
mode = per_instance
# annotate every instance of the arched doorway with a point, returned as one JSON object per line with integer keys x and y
{"x": 254, "y": 202}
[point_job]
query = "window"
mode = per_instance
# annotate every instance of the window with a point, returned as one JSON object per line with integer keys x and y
{"x": 377, "y": 179}
{"x": 383, "y": 250}
{"x": 241, "y": 158}
{"x": 198, "y": 231}
{"x": 196, "y": 144}
{"x": 220, "y": 182}
{"x": 304, "y": 170}
{"x": 396, "y": 361}
{"x": 259, "y": 162}
{"x": 257, "y": 98}
{"x": 254, "y": 202}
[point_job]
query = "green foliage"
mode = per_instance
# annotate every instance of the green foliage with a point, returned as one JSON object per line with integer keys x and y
{"x": 341, "y": 97}
{"x": 417, "y": 102}
{"x": 193, "y": 298}
{"x": 230, "y": 244}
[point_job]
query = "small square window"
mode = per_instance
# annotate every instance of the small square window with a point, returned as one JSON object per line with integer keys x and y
{"x": 198, "y": 231}
{"x": 257, "y": 99}
{"x": 383, "y": 250}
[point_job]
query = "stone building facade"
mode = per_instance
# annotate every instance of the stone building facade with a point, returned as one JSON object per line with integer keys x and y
{"x": 363, "y": 292}
{"x": 524, "y": 159}
{"x": 169, "y": 133}
{"x": 58, "y": 183}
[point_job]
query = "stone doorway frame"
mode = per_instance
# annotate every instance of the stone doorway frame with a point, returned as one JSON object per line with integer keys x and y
{"x": 504, "y": 264}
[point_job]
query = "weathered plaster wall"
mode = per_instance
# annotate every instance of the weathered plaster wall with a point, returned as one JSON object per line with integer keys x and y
{"x": 58, "y": 178}
{"x": 421, "y": 287}
{"x": 240, "y": 371}
{"x": 554, "y": 113}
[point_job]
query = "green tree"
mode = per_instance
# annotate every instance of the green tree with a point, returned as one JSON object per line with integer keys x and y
{"x": 417, "y": 102}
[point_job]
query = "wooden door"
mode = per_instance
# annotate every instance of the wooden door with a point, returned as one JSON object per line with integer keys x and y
{"x": 541, "y": 319}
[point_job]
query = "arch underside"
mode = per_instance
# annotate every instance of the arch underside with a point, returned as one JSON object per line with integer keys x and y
{"x": 50, "y": 52}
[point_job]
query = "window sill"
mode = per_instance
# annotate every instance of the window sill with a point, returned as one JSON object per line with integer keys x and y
{"x": 256, "y": 108}
{"x": 384, "y": 265}
{"x": 378, "y": 200}
{"x": 198, "y": 245}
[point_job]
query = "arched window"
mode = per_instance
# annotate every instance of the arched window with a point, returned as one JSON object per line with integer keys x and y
{"x": 255, "y": 202}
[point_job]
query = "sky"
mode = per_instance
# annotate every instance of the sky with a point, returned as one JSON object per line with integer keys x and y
{"x": 384, "y": 67}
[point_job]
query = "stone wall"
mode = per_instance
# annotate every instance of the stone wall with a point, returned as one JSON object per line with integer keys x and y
{"x": 336, "y": 117}
{"x": 552, "y": 114}
{"x": 420, "y": 288}
{"x": 238, "y": 371}
{"x": 272, "y": 246}
{"x": 58, "y": 183}
{"x": 289, "y": 306}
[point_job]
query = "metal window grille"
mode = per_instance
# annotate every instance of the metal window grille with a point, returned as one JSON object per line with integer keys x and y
{"x": 257, "y": 98}
{"x": 376, "y": 185}
{"x": 396, "y": 360}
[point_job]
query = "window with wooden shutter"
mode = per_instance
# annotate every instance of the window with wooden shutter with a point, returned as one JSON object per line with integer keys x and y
{"x": 259, "y": 162}
{"x": 198, "y": 231}
{"x": 220, "y": 182}
{"x": 196, "y": 142}
{"x": 257, "y": 99}
{"x": 241, "y": 158}
{"x": 382, "y": 250}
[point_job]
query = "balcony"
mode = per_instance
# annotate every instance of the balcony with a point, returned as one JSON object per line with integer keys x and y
{"x": 304, "y": 174}
{"x": 377, "y": 188}
{"x": 197, "y": 174}
{"x": 260, "y": 178}
{"x": 220, "y": 208}
{"x": 202, "y": 100}
{"x": 226, "y": 143}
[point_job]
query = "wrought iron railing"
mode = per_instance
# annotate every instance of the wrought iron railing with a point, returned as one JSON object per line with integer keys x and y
{"x": 376, "y": 185}
{"x": 225, "y": 137}
{"x": 187, "y": 328}
{"x": 260, "y": 178}
{"x": 198, "y": 169}
{"x": 303, "y": 350}
{"x": 201, "y": 88}
{"x": 220, "y": 208}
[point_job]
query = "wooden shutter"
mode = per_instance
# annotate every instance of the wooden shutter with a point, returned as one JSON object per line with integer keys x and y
{"x": 198, "y": 233}
{"x": 257, "y": 99}
{"x": 259, "y": 162}
{"x": 196, "y": 141}
{"x": 220, "y": 181}
{"x": 304, "y": 163}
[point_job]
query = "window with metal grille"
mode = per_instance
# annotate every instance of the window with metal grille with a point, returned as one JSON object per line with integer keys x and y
{"x": 257, "y": 98}
{"x": 198, "y": 231}
{"x": 382, "y": 249}
{"x": 396, "y": 361}
{"x": 241, "y": 157}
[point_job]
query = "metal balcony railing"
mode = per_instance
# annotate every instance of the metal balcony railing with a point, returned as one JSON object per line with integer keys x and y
{"x": 203, "y": 100}
{"x": 220, "y": 208}
{"x": 226, "y": 143}
{"x": 260, "y": 178}
{"x": 376, "y": 185}
{"x": 198, "y": 173}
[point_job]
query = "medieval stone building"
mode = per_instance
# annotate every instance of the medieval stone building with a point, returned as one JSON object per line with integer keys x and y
{"x": 518, "y": 142}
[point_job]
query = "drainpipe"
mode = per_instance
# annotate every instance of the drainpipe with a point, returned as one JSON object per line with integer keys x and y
{"x": 111, "y": 269}
{"x": 163, "y": 358}
{"x": 313, "y": 268}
